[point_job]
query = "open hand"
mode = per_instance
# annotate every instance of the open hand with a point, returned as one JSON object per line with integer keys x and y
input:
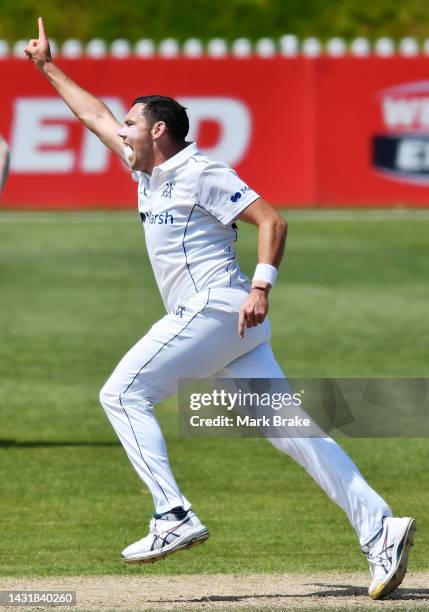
{"x": 38, "y": 50}
{"x": 253, "y": 310}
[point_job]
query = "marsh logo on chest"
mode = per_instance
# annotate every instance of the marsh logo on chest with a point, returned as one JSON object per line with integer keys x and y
{"x": 164, "y": 218}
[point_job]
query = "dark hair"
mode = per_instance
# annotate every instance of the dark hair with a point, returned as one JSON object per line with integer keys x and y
{"x": 163, "y": 108}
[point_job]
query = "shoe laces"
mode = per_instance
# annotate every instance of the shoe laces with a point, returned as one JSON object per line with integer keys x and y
{"x": 153, "y": 527}
{"x": 155, "y": 523}
{"x": 381, "y": 558}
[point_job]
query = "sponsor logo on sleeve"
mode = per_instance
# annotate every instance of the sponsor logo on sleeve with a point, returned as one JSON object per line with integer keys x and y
{"x": 237, "y": 194}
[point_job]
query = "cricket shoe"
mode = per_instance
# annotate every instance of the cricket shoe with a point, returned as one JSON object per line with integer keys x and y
{"x": 388, "y": 556}
{"x": 167, "y": 534}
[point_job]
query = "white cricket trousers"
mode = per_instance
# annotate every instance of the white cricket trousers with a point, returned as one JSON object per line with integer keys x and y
{"x": 200, "y": 342}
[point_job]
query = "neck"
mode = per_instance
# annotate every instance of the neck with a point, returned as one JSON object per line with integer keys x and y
{"x": 168, "y": 150}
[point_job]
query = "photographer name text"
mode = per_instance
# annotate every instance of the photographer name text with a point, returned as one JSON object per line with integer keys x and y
{"x": 276, "y": 420}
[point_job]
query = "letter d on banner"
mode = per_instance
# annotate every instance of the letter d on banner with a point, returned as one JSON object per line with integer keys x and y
{"x": 235, "y": 124}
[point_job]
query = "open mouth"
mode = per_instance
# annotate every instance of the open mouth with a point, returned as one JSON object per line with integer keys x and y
{"x": 128, "y": 151}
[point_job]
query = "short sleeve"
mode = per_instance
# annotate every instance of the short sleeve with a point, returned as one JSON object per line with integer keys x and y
{"x": 222, "y": 192}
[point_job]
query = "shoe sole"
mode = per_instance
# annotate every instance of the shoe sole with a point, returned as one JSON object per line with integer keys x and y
{"x": 385, "y": 588}
{"x": 161, "y": 554}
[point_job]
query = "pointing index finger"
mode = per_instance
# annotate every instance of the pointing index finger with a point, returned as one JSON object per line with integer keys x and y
{"x": 42, "y": 33}
{"x": 241, "y": 320}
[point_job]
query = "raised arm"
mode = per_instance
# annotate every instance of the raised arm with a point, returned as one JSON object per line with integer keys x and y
{"x": 88, "y": 108}
{"x": 272, "y": 230}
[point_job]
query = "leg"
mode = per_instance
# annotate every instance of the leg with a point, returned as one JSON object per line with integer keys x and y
{"x": 321, "y": 457}
{"x": 195, "y": 345}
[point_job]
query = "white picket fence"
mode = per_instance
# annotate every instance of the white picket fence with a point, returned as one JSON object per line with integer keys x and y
{"x": 286, "y": 46}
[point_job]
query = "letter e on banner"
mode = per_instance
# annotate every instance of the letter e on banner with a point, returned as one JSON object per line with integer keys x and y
{"x": 30, "y": 133}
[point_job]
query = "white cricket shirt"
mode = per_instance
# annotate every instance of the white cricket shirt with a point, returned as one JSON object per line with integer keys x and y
{"x": 187, "y": 206}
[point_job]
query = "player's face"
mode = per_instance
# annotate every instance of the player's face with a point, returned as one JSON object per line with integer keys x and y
{"x": 138, "y": 140}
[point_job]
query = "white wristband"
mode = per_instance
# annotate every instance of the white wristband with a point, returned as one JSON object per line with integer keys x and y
{"x": 265, "y": 272}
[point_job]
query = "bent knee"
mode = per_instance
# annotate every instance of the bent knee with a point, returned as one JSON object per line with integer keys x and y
{"x": 113, "y": 398}
{"x": 109, "y": 397}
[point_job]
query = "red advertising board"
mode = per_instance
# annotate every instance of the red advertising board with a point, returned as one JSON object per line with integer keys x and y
{"x": 242, "y": 112}
{"x": 302, "y": 132}
{"x": 372, "y": 131}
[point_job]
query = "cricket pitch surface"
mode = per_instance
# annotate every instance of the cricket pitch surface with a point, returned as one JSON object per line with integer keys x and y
{"x": 328, "y": 591}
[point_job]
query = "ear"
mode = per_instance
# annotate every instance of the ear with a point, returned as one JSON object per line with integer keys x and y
{"x": 158, "y": 130}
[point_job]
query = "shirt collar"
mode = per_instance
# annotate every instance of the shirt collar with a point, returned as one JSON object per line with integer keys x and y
{"x": 179, "y": 158}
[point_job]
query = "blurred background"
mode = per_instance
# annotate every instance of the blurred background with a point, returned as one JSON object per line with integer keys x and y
{"x": 316, "y": 103}
{"x": 323, "y": 107}
{"x": 207, "y": 19}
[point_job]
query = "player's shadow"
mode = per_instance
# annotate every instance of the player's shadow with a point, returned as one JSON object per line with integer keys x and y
{"x": 223, "y": 598}
{"x": 347, "y": 590}
{"x": 9, "y": 443}
{"x": 334, "y": 590}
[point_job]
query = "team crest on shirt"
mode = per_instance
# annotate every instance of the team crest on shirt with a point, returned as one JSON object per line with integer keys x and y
{"x": 168, "y": 188}
{"x": 179, "y": 310}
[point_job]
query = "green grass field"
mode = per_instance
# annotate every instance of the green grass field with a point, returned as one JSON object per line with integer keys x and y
{"x": 77, "y": 292}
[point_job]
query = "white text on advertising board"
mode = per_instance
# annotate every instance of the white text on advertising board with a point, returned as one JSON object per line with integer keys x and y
{"x": 41, "y": 126}
{"x": 402, "y": 151}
